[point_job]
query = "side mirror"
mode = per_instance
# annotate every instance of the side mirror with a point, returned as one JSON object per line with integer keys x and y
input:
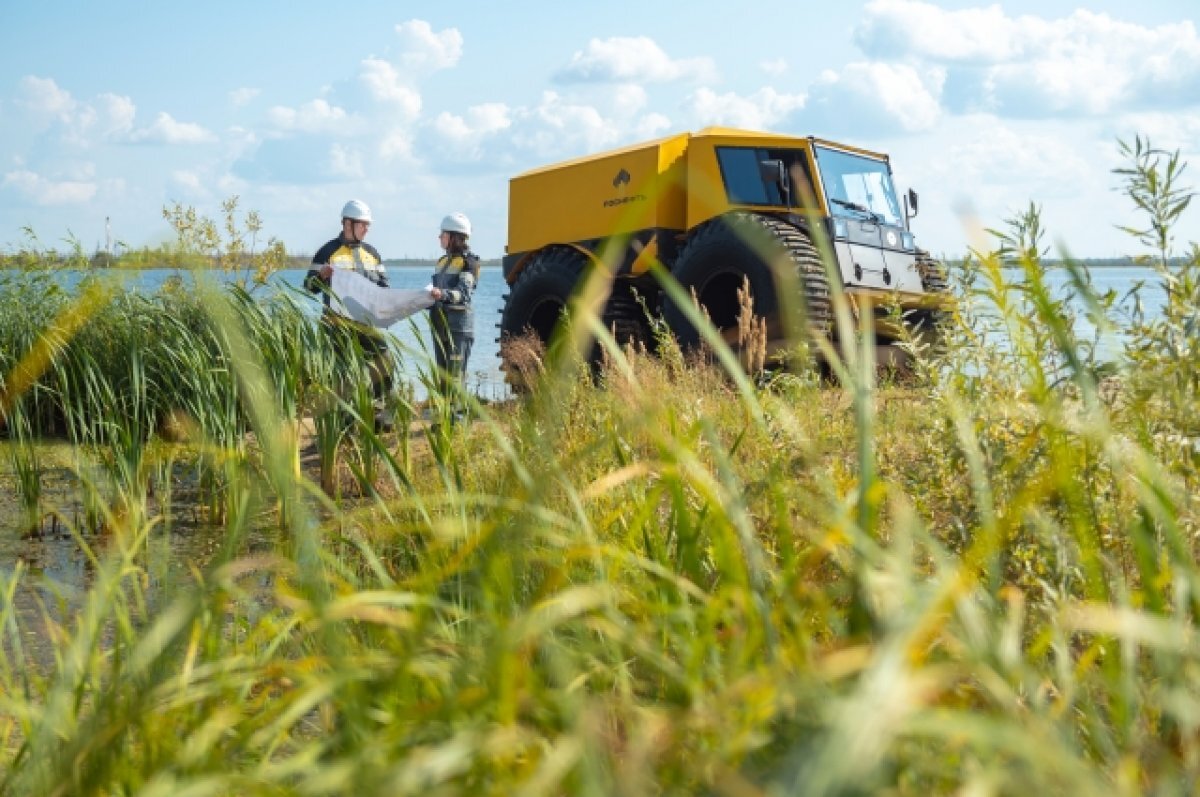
{"x": 773, "y": 171}
{"x": 912, "y": 202}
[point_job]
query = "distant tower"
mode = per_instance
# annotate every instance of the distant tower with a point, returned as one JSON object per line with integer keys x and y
{"x": 108, "y": 239}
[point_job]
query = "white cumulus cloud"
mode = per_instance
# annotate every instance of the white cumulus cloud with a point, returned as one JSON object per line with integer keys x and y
{"x": 43, "y": 98}
{"x": 1169, "y": 130}
{"x": 774, "y": 66}
{"x": 637, "y": 58}
{"x": 878, "y": 96}
{"x": 898, "y": 29}
{"x": 560, "y": 127}
{"x": 425, "y": 49}
{"x": 168, "y": 130}
{"x": 380, "y": 107}
{"x": 384, "y": 84}
{"x": 763, "y": 110}
{"x": 317, "y": 116}
{"x": 345, "y": 163}
{"x": 491, "y": 117}
{"x": 396, "y": 145}
{"x": 242, "y": 96}
{"x": 1028, "y": 66}
{"x": 462, "y": 136}
{"x": 116, "y": 114}
{"x": 189, "y": 182}
{"x": 1002, "y": 155}
{"x": 502, "y": 138}
{"x": 75, "y": 121}
{"x": 45, "y": 191}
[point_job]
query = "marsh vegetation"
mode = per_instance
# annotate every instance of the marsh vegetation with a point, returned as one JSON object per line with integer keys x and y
{"x": 667, "y": 576}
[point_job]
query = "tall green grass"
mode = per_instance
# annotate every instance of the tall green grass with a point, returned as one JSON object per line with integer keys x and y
{"x": 664, "y": 579}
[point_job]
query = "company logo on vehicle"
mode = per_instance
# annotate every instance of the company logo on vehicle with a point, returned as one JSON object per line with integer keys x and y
{"x": 892, "y": 239}
{"x": 621, "y": 182}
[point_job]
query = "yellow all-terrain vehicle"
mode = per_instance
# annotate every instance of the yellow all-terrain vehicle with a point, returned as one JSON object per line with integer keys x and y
{"x": 716, "y": 207}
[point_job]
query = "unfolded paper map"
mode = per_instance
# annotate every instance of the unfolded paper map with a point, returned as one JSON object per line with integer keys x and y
{"x": 367, "y": 303}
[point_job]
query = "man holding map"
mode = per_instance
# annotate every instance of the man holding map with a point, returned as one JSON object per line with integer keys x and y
{"x": 358, "y": 306}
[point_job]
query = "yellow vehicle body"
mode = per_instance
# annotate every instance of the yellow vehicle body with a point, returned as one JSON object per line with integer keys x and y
{"x": 664, "y": 200}
{"x": 667, "y": 185}
{"x": 607, "y": 195}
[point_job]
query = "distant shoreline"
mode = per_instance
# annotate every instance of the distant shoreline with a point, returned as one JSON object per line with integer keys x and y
{"x": 295, "y": 264}
{"x": 304, "y": 261}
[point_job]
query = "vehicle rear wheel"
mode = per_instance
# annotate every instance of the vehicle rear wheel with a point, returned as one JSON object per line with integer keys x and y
{"x": 539, "y": 296}
{"x": 739, "y": 247}
{"x": 539, "y": 299}
{"x": 625, "y": 318}
{"x": 533, "y": 309}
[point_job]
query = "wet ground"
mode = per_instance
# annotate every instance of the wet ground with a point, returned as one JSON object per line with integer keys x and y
{"x": 57, "y": 568}
{"x": 56, "y": 561}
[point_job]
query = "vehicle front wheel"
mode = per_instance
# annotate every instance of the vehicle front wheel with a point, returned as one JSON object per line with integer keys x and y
{"x": 744, "y": 248}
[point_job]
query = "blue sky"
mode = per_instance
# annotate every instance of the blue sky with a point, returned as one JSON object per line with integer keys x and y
{"x": 115, "y": 110}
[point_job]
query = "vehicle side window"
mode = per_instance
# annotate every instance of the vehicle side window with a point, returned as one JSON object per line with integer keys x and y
{"x": 741, "y": 171}
{"x": 742, "y": 175}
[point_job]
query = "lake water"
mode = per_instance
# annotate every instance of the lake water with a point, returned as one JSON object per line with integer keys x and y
{"x": 1151, "y": 296}
{"x": 485, "y": 377}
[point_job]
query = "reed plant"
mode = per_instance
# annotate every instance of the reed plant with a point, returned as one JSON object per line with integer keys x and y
{"x": 329, "y": 430}
{"x": 25, "y": 459}
{"x": 665, "y": 577}
{"x": 223, "y": 242}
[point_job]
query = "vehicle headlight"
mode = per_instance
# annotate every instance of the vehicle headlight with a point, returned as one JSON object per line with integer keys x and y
{"x": 841, "y": 228}
{"x": 908, "y": 240}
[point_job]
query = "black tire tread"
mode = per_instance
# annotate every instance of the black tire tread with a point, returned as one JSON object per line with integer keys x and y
{"x": 554, "y": 259}
{"x": 935, "y": 279}
{"x": 810, "y": 271}
{"x": 791, "y": 240}
{"x": 558, "y": 267}
{"x": 625, "y": 318}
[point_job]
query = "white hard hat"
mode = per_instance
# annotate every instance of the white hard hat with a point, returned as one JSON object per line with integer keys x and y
{"x": 457, "y": 222}
{"x": 356, "y": 210}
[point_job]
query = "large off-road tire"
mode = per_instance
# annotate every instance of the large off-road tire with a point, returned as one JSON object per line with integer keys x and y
{"x": 747, "y": 246}
{"x": 532, "y": 311}
{"x": 934, "y": 277}
{"x": 625, "y": 317}
{"x": 540, "y": 297}
{"x": 540, "y": 294}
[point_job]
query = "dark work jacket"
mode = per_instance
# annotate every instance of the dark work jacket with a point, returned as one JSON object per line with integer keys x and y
{"x": 342, "y": 254}
{"x": 457, "y": 275}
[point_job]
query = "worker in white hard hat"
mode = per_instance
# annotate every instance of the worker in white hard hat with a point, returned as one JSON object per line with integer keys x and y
{"x": 451, "y": 319}
{"x": 350, "y": 252}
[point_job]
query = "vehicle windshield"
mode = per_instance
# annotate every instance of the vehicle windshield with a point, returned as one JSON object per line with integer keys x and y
{"x": 858, "y": 187}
